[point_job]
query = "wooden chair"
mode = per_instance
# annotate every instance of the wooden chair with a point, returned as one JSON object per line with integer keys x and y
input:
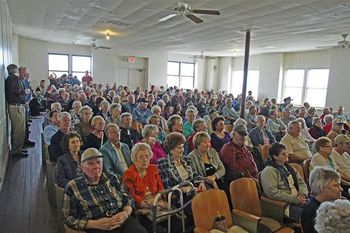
{"x": 207, "y": 205}
{"x": 70, "y": 230}
{"x": 299, "y": 169}
{"x": 59, "y": 203}
{"x": 137, "y": 126}
{"x": 306, "y": 169}
{"x": 245, "y": 197}
{"x": 265, "y": 152}
{"x": 228, "y": 128}
{"x": 50, "y": 181}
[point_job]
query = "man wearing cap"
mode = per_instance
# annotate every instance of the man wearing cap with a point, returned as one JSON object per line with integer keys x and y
{"x": 296, "y": 146}
{"x": 337, "y": 126}
{"x": 287, "y": 116}
{"x": 236, "y": 157}
{"x": 96, "y": 202}
{"x": 141, "y": 113}
{"x": 287, "y": 103}
{"x": 340, "y": 155}
{"x": 116, "y": 154}
{"x": 16, "y": 99}
{"x": 340, "y": 114}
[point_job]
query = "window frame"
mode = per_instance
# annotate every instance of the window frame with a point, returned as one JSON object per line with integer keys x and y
{"x": 53, "y": 71}
{"x": 179, "y": 76}
{"x": 230, "y": 89}
{"x": 71, "y": 64}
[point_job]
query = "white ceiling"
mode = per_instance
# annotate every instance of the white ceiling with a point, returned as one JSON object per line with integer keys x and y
{"x": 277, "y": 25}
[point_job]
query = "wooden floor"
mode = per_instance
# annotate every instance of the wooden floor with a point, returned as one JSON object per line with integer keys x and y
{"x": 24, "y": 205}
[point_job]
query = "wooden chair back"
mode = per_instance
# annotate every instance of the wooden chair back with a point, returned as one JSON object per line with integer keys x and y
{"x": 265, "y": 151}
{"x": 228, "y": 128}
{"x": 306, "y": 168}
{"x": 59, "y": 201}
{"x": 137, "y": 126}
{"x": 206, "y": 206}
{"x": 299, "y": 169}
{"x": 244, "y": 196}
{"x": 50, "y": 183}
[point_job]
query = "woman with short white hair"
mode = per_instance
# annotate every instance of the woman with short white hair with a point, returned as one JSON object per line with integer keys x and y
{"x": 97, "y": 137}
{"x": 150, "y": 134}
{"x": 74, "y": 112}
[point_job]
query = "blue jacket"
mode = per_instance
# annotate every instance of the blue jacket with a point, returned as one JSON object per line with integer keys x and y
{"x": 110, "y": 160}
{"x": 257, "y": 137}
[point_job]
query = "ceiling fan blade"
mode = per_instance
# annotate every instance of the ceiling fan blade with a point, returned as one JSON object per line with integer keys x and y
{"x": 167, "y": 17}
{"x": 206, "y": 12}
{"x": 194, "y": 18}
{"x": 103, "y": 47}
{"x": 325, "y": 47}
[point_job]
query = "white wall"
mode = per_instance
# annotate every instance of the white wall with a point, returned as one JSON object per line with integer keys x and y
{"x": 6, "y": 57}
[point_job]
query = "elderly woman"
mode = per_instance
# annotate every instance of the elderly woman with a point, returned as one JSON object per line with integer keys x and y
{"x": 74, "y": 113}
{"x": 219, "y": 136}
{"x": 199, "y": 125}
{"x": 260, "y": 135}
{"x": 175, "y": 123}
{"x": 155, "y": 120}
{"x": 97, "y": 201}
{"x": 304, "y": 133}
{"x": 156, "y": 110}
{"x": 206, "y": 161}
{"x": 97, "y": 137}
{"x": 104, "y": 106}
{"x": 333, "y": 217}
{"x": 316, "y": 130}
{"x": 325, "y": 186}
{"x": 150, "y": 134}
{"x": 188, "y": 130}
{"x": 276, "y": 125}
{"x": 279, "y": 181}
{"x": 328, "y": 119}
{"x": 67, "y": 167}
{"x": 114, "y": 113}
{"x": 83, "y": 127}
{"x": 323, "y": 156}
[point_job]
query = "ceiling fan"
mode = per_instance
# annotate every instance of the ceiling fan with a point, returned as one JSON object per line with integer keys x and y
{"x": 202, "y": 56}
{"x": 344, "y": 43}
{"x": 94, "y": 46}
{"x": 185, "y": 9}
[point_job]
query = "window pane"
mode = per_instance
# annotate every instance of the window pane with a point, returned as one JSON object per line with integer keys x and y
{"x": 318, "y": 78}
{"x": 187, "y": 69}
{"x": 81, "y": 63}
{"x": 173, "y": 81}
{"x": 295, "y": 93}
{"x": 58, "y": 62}
{"x": 79, "y": 75}
{"x": 252, "y": 82}
{"x": 294, "y": 78}
{"x": 186, "y": 82}
{"x": 173, "y": 68}
{"x": 316, "y": 97}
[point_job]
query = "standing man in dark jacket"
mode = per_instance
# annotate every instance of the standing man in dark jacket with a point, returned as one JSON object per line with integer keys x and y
{"x": 15, "y": 98}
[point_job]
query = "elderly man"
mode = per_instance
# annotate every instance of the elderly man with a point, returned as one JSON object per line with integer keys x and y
{"x": 340, "y": 153}
{"x": 53, "y": 107}
{"x": 340, "y": 114}
{"x": 296, "y": 147}
{"x": 96, "y": 202}
{"x": 236, "y": 157}
{"x": 55, "y": 150}
{"x": 337, "y": 127}
{"x": 52, "y": 128}
{"x": 229, "y": 112}
{"x": 325, "y": 186}
{"x": 116, "y": 154}
{"x": 141, "y": 113}
{"x": 128, "y": 135}
{"x": 287, "y": 116}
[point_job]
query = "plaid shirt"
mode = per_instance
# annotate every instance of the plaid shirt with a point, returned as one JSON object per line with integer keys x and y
{"x": 171, "y": 177}
{"x": 83, "y": 201}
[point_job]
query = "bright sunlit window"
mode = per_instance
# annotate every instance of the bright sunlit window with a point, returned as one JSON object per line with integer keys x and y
{"x": 293, "y": 85}
{"x": 180, "y": 74}
{"x": 237, "y": 82}
{"x": 316, "y": 87}
{"x": 58, "y": 64}
{"x": 80, "y": 64}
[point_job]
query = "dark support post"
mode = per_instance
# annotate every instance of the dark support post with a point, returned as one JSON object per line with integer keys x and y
{"x": 245, "y": 72}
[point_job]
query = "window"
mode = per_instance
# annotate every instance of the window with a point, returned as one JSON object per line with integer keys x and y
{"x": 306, "y": 85}
{"x": 80, "y": 64}
{"x": 293, "y": 85}
{"x": 180, "y": 74}
{"x": 237, "y": 82}
{"x": 58, "y": 64}
{"x": 316, "y": 87}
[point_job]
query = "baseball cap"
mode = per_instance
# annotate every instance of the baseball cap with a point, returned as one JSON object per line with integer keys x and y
{"x": 341, "y": 138}
{"x": 90, "y": 153}
{"x": 338, "y": 120}
{"x": 241, "y": 129}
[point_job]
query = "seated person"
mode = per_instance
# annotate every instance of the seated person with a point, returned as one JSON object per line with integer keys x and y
{"x": 52, "y": 128}
{"x": 156, "y": 110}
{"x": 276, "y": 125}
{"x": 155, "y": 120}
{"x": 114, "y": 113}
{"x": 84, "y": 127}
{"x": 250, "y": 117}
{"x": 206, "y": 161}
{"x": 337, "y": 127}
{"x": 199, "y": 125}
{"x": 128, "y": 135}
{"x": 150, "y": 134}
{"x": 328, "y": 119}
{"x": 96, "y": 202}
{"x": 228, "y": 112}
{"x": 175, "y": 123}
{"x": 296, "y": 147}
{"x": 68, "y": 165}
{"x": 97, "y": 137}
{"x": 340, "y": 155}
{"x": 191, "y": 115}
{"x": 279, "y": 181}
{"x": 55, "y": 149}
{"x": 333, "y": 217}
{"x": 116, "y": 154}
{"x": 104, "y": 107}
{"x": 316, "y": 130}
{"x": 325, "y": 186}
{"x": 219, "y": 136}
{"x": 304, "y": 133}
{"x": 260, "y": 135}
{"x": 236, "y": 157}
{"x": 141, "y": 113}
{"x": 287, "y": 116}
{"x": 74, "y": 113}
{"x": 53, "y": 107}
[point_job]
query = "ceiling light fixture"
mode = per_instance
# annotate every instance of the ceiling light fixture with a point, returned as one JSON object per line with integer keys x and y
{"x": 107, "y": 36}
